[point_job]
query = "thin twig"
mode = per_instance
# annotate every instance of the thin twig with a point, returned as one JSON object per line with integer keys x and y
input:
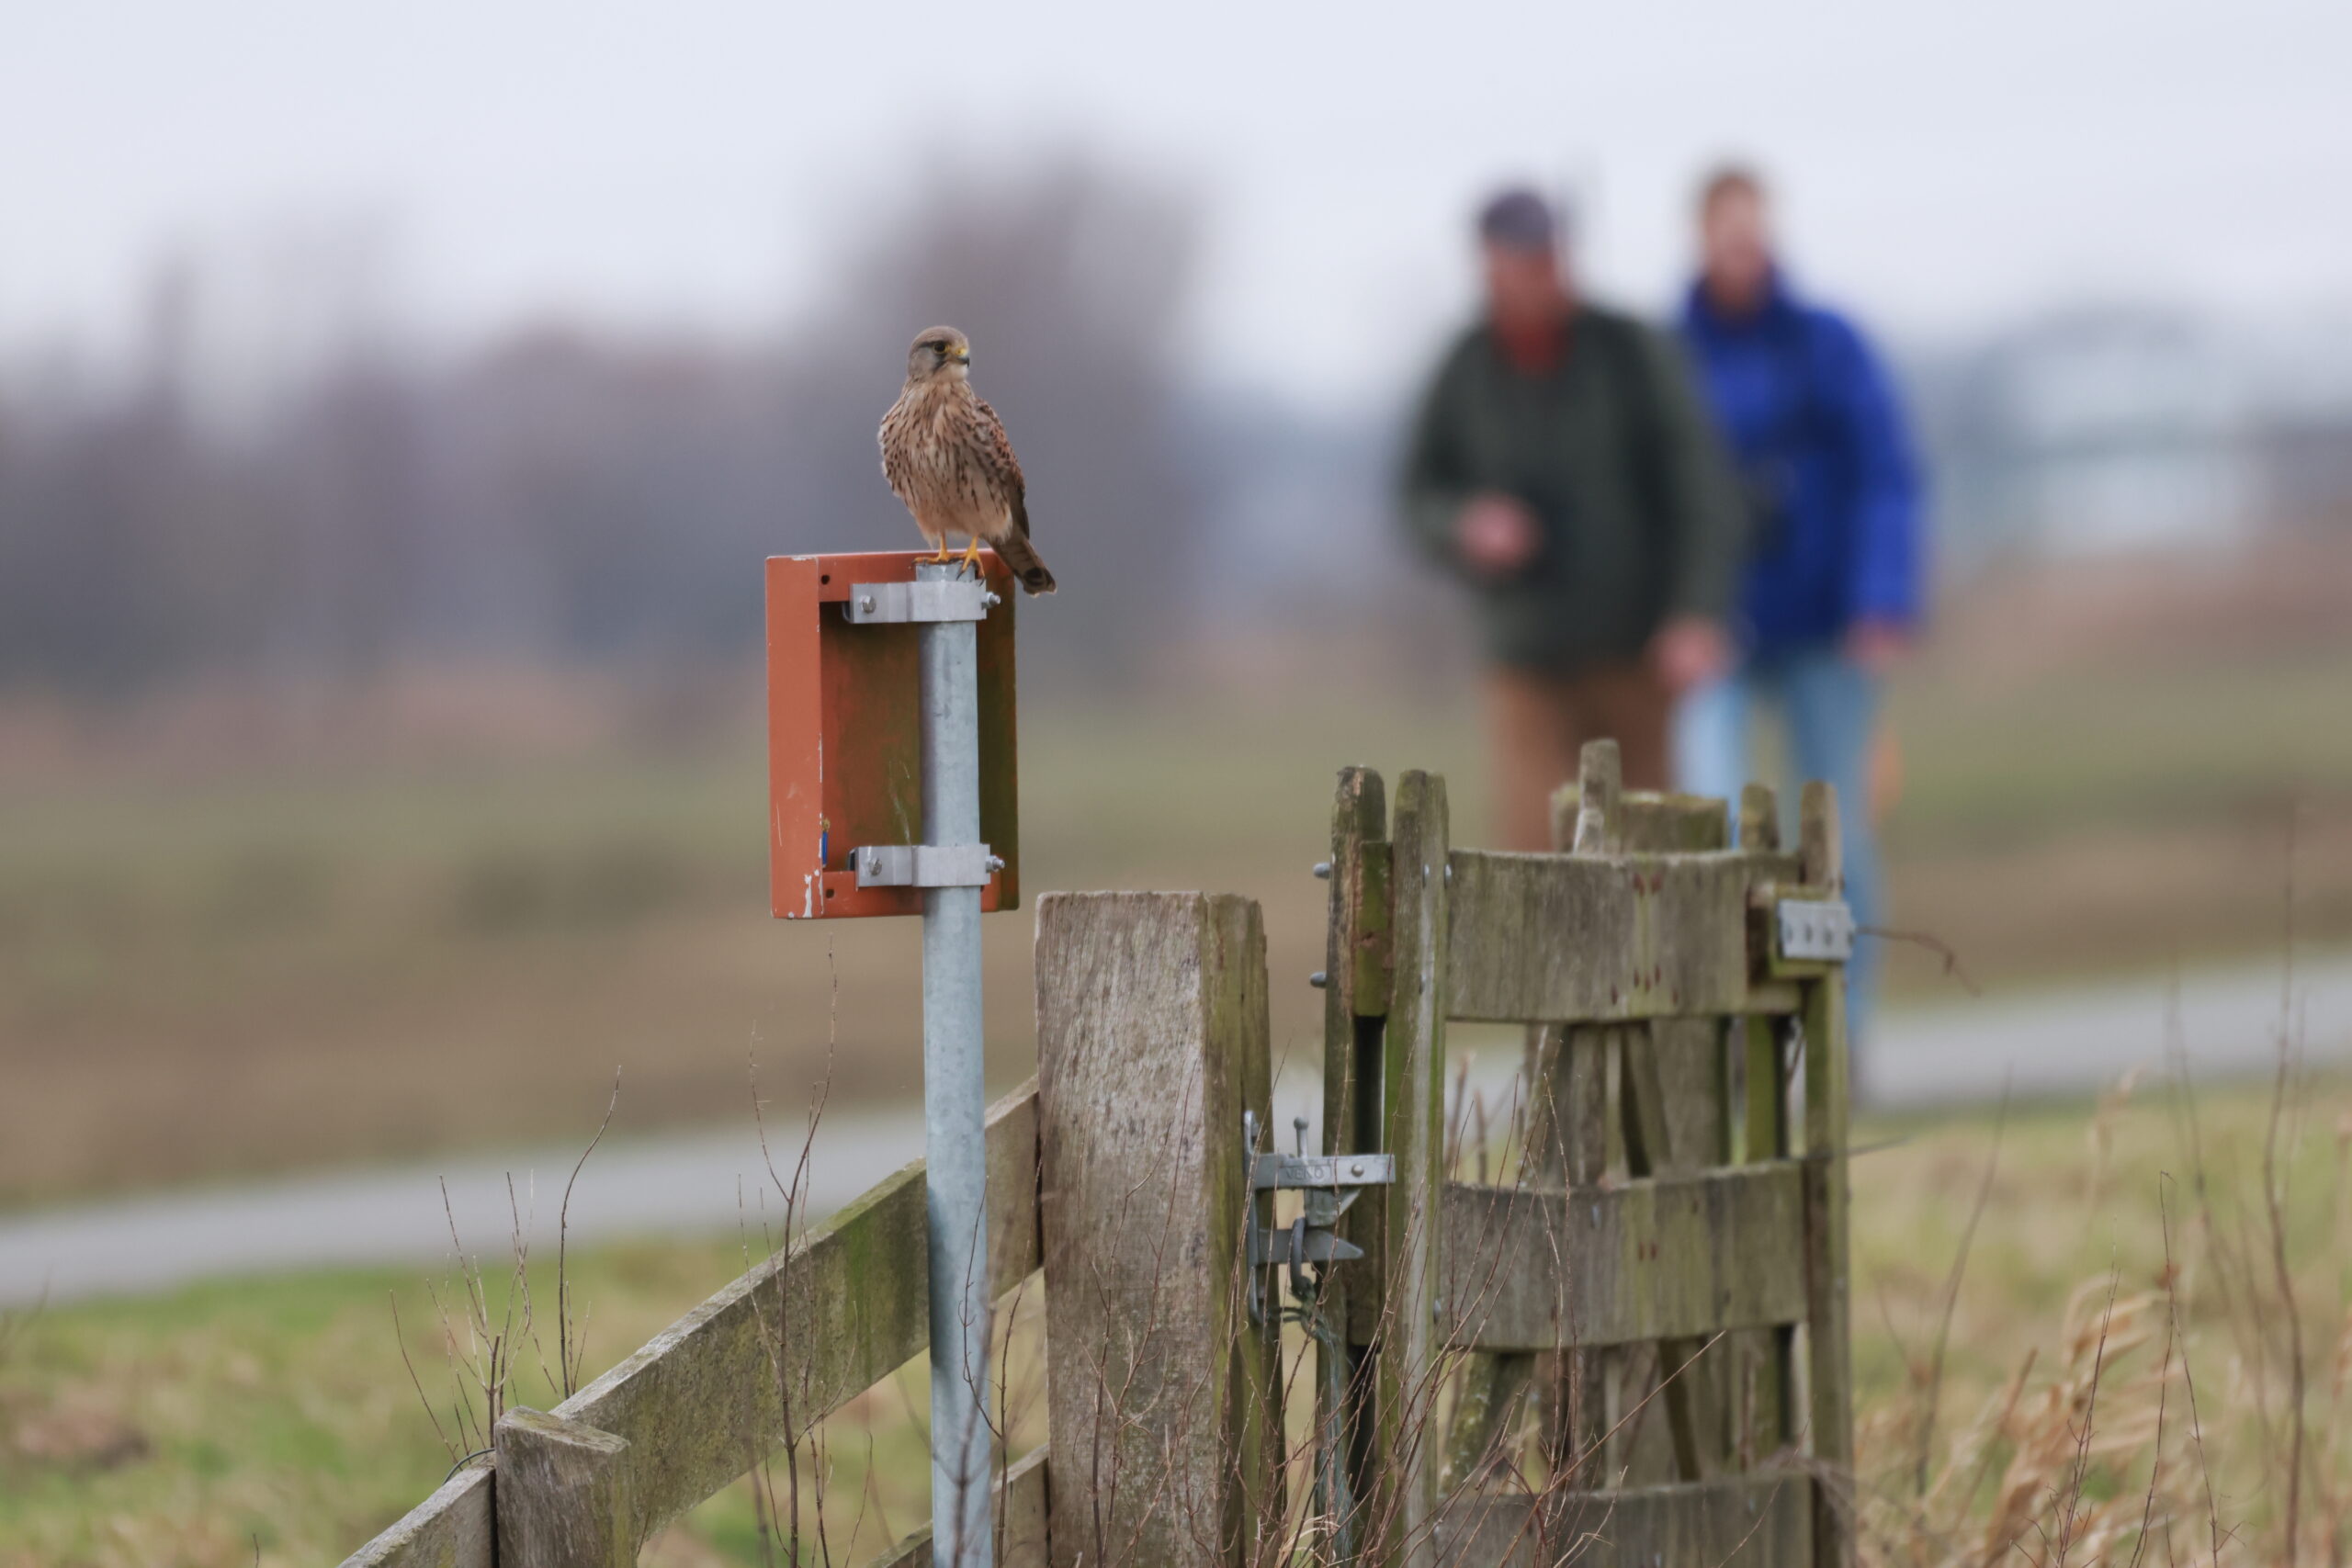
{"x": 2274, "y": 1202}
{"x": 401, "y": 1339}
{"x": 1933, "y": 944}
{"x": 566, "y": 1358}
{"x": 1934, "y": 1380}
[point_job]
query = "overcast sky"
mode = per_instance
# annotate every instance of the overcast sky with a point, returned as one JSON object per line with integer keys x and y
{"x": 697, "y": 163}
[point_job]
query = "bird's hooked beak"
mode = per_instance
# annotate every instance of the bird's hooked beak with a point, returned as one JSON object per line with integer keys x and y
{"x": 959, "y": 356}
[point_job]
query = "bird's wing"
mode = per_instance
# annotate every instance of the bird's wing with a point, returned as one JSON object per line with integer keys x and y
{"x": 892, "y": 437}
{"x": 1002, "y": 468}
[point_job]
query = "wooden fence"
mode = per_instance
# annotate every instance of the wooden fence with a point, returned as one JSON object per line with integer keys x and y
{"x": 1634, "y": 1353}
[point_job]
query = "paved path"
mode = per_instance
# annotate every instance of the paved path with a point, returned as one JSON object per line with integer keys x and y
{"x": 2051, "y": 1042}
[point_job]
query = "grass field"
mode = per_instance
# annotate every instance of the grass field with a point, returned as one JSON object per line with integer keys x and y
{"x": 256, "y": 969}
{"x": 187, "y": 1428}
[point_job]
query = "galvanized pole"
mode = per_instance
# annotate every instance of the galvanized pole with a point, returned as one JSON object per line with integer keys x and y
{"x": 955, "y": 1101}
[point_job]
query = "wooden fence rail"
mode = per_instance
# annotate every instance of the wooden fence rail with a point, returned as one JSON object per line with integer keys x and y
{"x": 786, "y": 1345}
{"x": 1659, "y": 1296}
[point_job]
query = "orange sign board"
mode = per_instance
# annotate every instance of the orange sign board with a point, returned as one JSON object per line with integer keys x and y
{"x": 845, "y": 738}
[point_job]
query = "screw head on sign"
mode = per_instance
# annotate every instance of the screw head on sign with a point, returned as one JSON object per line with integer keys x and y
{"x": 991, "y": 601}
{"x": 1323, "y": 871}
{"x": 1356, "y": 1168}
{"x": 996, "y": 862}
{"x": 867, "y": 603}
{"x": 1319, "y": 979}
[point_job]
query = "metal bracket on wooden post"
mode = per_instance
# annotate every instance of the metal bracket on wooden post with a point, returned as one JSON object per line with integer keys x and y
{"x": 1815, "y": 929}
{"x": 1306, "y": 1172}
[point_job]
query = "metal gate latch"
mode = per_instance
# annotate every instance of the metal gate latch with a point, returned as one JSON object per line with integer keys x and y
{"x": 1815, "y": 929}
{"x": 1310, "y": 1237}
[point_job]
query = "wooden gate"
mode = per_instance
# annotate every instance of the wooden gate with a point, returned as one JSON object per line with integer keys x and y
{"x": 1667, "y": 1276}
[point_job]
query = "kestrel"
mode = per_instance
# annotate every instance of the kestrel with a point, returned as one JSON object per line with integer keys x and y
{"x": 945, "y": 454}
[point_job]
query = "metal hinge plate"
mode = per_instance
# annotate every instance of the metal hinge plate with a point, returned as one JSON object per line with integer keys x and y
{"x": 1815, "y": 930}
{"x": 897, "y": 603}
{"x": 925, "y": 866}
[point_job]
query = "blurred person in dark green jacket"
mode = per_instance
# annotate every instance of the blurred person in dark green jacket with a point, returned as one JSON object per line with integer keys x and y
{"x": 1564, "y": 467}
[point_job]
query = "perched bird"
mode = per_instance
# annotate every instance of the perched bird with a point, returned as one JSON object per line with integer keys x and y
{"x": 945, "y": 453}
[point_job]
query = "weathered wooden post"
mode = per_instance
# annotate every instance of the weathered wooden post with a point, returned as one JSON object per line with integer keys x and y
{"x": 1829, "y": 1348}
{"x": 1396, "y": 1446}
{"x": 1162, "y": 1394}
{"x": 1763, "y": 1357}
{"x": 1356, "y": 981}
{"x": 563, "y": 1495}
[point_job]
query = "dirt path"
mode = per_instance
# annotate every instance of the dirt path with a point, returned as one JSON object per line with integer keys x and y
{"x": 2044, "y": 1042}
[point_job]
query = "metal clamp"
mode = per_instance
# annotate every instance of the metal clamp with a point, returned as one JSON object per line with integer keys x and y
{"x": 925, "y": 866}
{"x": 1818, "y": 929}
{"x": 897, "y": 603}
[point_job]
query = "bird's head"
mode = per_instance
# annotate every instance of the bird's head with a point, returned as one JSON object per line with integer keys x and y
{"x": 939, "y": 351}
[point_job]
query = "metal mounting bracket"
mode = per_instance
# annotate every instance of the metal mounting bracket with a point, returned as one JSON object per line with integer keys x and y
{"x": 1815, "y": 929}
{"x": 897, "y": 603}
{"x": 1272, "y": 1172}
{"x": 925, "y": 866}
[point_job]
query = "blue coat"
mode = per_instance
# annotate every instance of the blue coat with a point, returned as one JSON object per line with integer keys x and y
{"x": 1832, "y": 485}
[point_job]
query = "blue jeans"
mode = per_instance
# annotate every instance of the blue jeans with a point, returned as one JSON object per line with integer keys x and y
{"x": 1830, "y": 707}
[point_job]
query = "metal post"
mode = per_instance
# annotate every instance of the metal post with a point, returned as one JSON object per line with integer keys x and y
{"x": 954, "y": 1102}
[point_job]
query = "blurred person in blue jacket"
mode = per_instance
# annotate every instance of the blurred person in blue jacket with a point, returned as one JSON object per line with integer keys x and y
{"x": 1832, "y": 592}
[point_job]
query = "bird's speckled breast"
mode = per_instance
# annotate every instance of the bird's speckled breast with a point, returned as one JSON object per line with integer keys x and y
{"x": 935, "y": 453}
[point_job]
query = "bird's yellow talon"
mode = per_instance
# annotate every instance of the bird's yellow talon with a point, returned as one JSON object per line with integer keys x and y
{"x": 971, "y": 557}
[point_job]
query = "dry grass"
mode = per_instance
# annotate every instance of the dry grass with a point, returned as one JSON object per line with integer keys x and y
{"x": 2135, "y": 1318}
{"x": 2148, "y": 1355}
{"x": 2122, "y": 1263}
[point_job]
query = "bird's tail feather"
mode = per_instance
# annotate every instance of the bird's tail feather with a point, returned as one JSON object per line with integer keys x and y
{"x": 1019, "y": 554}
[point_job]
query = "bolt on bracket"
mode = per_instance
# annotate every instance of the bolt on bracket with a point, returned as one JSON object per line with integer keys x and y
{"x": 925, "y": 866}
{"x": 897, "y": 603}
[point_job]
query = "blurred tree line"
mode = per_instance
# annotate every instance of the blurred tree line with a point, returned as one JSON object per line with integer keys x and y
{"x": 567, "y": 494}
